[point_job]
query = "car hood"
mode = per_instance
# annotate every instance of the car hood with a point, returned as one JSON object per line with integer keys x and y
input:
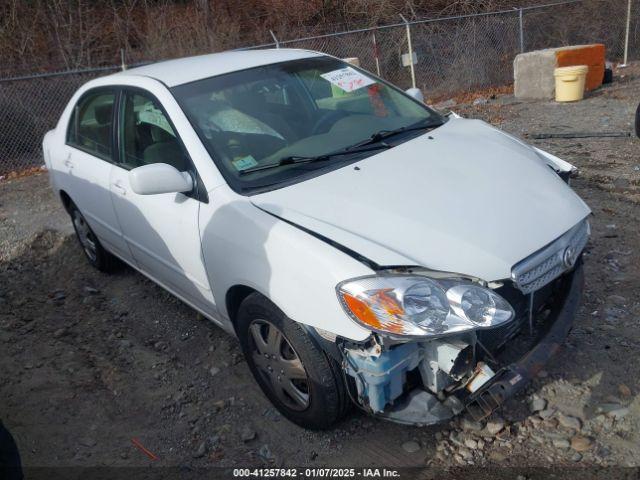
{"x": 465, "y": 198}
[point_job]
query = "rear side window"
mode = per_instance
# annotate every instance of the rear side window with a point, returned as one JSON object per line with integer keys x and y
{"x": 90, "y": 127}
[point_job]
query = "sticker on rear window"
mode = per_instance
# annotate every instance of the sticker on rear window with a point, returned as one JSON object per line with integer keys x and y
{"x": 348, "y": 79}
{"x": 244, "y": 162}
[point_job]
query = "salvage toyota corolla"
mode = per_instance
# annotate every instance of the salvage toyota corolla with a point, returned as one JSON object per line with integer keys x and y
{"x": 364, "y": 248}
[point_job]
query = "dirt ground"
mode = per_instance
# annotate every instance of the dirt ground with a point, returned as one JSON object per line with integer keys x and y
{"x": 91, "y": 363}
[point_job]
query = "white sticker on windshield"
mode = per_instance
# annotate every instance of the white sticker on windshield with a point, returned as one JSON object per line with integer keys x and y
{"x": 348, "y": 79}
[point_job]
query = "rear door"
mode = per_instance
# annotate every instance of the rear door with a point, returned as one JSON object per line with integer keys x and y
{"x": 161, "y": 230}
{"x": 83, "y": 165}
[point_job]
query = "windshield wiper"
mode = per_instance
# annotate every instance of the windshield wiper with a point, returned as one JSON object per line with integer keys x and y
{"x": 377, "y": 138}
{"x": 384, "y": 134}
{"x": 296, "y": 159}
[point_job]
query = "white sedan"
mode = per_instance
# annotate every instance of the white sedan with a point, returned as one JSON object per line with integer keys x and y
{"x": 364, "y": 248}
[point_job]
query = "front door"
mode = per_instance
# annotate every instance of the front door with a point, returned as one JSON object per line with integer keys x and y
{"x": 161, "y": 230}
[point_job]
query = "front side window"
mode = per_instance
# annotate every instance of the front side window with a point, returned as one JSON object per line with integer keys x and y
{"x": 90, "y": 127}
{"x": 147, "y": 135}
{"x": 252, "y": 120}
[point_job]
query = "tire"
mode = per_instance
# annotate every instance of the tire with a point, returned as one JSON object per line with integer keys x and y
{"x": 304, "y": 384}
{"x": 91, "y": 246}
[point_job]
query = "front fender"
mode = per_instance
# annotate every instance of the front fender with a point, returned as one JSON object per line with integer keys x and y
{"x": 243, "y": 245}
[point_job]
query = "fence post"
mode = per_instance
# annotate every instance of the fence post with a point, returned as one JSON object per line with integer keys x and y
{"x": 626, "y": 35}
{"x": 521, "y": 30}
{"x": 273, "y": 35}
{"x": 413, "y": 72}
{"x": 375, "y": 51}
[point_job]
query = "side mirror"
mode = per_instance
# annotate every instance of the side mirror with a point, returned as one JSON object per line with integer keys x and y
{"x": 415, "y": 93}
{"x": 159, "y": 178}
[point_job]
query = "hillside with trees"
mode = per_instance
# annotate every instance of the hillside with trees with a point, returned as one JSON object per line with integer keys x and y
{"x": 50, "y": 35}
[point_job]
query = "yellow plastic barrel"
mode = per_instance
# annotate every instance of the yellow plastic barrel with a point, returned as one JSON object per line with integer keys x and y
{"x": 570, "y": 83}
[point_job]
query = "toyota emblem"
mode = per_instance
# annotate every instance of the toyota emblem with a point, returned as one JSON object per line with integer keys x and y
{"x": 569, "y": 257}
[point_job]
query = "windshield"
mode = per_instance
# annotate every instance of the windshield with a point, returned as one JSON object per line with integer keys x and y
{"x": 306, "y": 108}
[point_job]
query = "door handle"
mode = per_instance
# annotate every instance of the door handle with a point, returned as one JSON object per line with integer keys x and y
{"x": 119, "y": 187}
{"x": 67, "y": 161}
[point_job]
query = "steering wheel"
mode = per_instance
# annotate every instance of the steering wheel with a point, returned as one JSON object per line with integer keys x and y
{"x": 326, "y": 120}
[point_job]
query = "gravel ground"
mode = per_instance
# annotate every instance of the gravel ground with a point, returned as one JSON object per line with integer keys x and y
{"x": 93, "y": 363}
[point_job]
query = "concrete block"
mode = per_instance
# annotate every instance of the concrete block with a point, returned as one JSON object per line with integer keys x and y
{"x": 533, "y": 74}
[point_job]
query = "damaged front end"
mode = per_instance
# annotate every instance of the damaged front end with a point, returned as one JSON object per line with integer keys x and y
{"x": 422, "y": 381}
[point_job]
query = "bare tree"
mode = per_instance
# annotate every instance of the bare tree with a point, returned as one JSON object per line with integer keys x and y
{"x": 76, "y": 29}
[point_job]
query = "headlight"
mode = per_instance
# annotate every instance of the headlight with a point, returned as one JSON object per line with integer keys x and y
{"x": 419, "y": 306}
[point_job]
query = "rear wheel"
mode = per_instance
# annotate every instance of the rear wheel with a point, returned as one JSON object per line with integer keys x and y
{"x": 297, "y": 376}
{"x": 93, "y": 250}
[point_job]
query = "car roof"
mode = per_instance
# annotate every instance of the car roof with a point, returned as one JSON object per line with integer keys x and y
{"x": 189, "y": 69}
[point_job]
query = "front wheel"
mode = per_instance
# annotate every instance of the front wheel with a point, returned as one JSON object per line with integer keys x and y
{"x": 93, "y": 250}
{"x": 303, "y": 383}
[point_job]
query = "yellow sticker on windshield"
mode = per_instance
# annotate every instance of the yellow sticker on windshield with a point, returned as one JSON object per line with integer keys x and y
{"x": 244, "y": 162}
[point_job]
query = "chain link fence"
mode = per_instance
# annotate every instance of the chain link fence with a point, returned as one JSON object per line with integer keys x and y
{"x": 454, "y": 54}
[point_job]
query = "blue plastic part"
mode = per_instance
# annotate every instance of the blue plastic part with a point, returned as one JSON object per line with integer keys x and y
{"x": 382, "y": 378}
